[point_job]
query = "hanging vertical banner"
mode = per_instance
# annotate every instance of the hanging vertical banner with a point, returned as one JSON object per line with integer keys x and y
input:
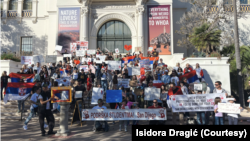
{"x": 160, "y": 28}
{"x": 68, "y": 28}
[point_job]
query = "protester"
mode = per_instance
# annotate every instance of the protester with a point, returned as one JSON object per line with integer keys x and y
{"x": 4, "y": 82}
{"x": 155, "y": 106}
{"x": 218, "y": 115}
{"x": 98, "y": 125}
{"x": 188, "y": 69}
{"x": 200, "y": 115}
{"x": 199, "y": 72}
{"x": 232, "y": 118}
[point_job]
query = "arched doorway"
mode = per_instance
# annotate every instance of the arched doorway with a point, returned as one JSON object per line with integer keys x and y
{"x": 114, "y": 34}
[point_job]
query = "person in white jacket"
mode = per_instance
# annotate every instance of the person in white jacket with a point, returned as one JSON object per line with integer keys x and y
{"x": 232, "y": 118}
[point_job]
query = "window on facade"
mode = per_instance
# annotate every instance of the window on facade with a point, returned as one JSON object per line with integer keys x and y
{"x": 26, "y": 46}
{"x": 244, "y": 1}
{"x": 27, "y": 5}
{"x": 1, "y": 5}
{"x": 112, "y": 35}
{"x": 214, "y": 2}
{"x": 228, "y": 1}
{"x": 13, "y": 4}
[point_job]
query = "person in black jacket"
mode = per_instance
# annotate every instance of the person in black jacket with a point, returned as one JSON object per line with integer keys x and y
{"x": 82, "y": 77}
{"x": 45, "y": 110}
{"x": 4, "y": 81}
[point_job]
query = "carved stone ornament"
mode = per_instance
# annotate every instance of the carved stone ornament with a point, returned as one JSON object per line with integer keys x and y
{"x": 85, "y": 10}
{"x": 113, "y": 6}
{"x": 96, "y": 15}
{"x": 140, "y": 10}
{"x": 132, "y": 15}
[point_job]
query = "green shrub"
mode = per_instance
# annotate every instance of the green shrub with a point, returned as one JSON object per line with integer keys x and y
{"x": 9, "y": 56}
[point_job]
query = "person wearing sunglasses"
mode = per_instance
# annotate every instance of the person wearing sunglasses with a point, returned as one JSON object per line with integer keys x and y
{"x": 156, "y": 106}
{"x": 99, "y": 124}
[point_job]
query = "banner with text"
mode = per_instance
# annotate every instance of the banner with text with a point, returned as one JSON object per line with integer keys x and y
{"x": 195, "y": 102}
{"x": 123, "y": 114}
{"x": 123, "y": 82}
{"x": 159, "y": 22}
{"x": 27, "y": 60}
{"x": 134, "y": 71}
{"x": 97, "y": 94}
{"x": 68, "y": 28}
{"x": 230, "y": 108}
{"x": 114, "y": 65}
{"x": 152, "y": 93}
{"x": 51, "y": 58}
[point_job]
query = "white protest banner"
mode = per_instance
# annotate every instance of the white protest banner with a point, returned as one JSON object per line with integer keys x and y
{"x": 89, "y": 60}
{"x": 78, "y": 94}
{"x": 101, "y": 57}
{"x": 73, "y": 47}
{"x": 51, "y": 58}
{"x": 97, "y": 94}
{"x": 114, "y": 65}
{"x": 230, "y": 108}
{"x": 64, "y": 80}
{"x": 152, "y": 93}
{"x": 80, "y": 52}
{"x": 198, "y": 87}
{"x": 67, "y": 55}
{"x": 134, "y": 71}
{"x": 84, "y": 67}
{"x": 26, "y": 60}
{"x": 38, "y": 58}
{"x": 195, "y": 102}
{"x": 150, "y": 48}
{"x": 83, "y": 45}
{"x": 123, "y": 82}
{"x": 145, "y": 64}
{"x": 92, "y": 68}
{"x": 116, "y": 50}
{"x": 91, "y": 52}
{"x": 64, "y": 95}
{"x": 84, "y": 60}
{"x": 58, "y": 48}
{"x": 123, "y": 114}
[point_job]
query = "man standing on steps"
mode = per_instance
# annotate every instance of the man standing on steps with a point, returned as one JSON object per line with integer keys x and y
{"x": 33, "y": 107}
{"x": 45, "y": 110}
{"x": 98, "y": 125}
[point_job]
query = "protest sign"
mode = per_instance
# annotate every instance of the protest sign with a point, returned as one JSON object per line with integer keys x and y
{"x": 107, "y": 50}
{"x": 138, "y": 91}
{"x": 64, "y": 80}
{"x": 113, "y": 96}
{"x": 78, "y": 94}
{"x": 84, "y": 60}
{"x": 67, "y": 55}
{"x": 89, "y": 60}
{"x": 123, "y": 114}
{"x": 97, "y": 94}
{"x": 150, "y": 48}
{"x": 73, "y": 47}
{"x": 91, "y": 52}
{"x": 58, "y": 48}
{"x": 137, "y": 49}
{"x": 145, "y": 64}
{"x": 116, "y": 50}
{"x": 38, "y": 58}
{"x": 152, "y": 93}
{"x": 123, "y": 82}
{"x": 198, "y": 87}
{"x": 101, "y": 57}
{"x": 134, "y": 71}
{"x": 51, "y": 58}
{"x": 230, "y": 108}
{"x": 80, "y": 52}
{"x": 195, "y": 102}
{"x": 114, "y": 65}
{"x": 27, "y": 60}
{"x": 92, "y": 68}
{"x": 84, "y": 67}
{"x": 82, "y": 45}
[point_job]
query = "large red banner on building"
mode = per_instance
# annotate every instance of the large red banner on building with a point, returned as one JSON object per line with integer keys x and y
{"x": 160, "y": 28}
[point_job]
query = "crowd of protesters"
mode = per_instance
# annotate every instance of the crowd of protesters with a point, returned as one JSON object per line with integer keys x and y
{"x": 46, "y": 76}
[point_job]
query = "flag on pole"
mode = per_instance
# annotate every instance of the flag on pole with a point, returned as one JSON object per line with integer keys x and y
{"x": 116, "y": 106}
{"x": 16, "y": 77}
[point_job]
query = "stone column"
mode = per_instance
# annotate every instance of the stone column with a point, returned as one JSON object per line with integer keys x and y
{"x": 64, "y": 117}
{"x": 140, "y": 11}
{"x": 5, "y": 10}
{"x": 85, "y": 24}
{"x": 19, "y": 11}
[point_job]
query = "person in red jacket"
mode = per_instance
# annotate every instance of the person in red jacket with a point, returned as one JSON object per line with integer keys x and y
{"x": 156, "y": 106}
{"x": 176, "y": 90}
{"x": 187, "y": 69}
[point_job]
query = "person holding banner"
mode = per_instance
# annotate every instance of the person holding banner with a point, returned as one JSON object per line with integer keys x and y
{"x": 176, "y": 90}
{"x": 218, "y": 115}
{"x": 37, "y": 67}
{"x": 187, "y": 69}
{"x": 104, "y": 80}
{"x": 156, "y": 106}
{"x": 98, "y": 125}
{"x": 232, "y": 118}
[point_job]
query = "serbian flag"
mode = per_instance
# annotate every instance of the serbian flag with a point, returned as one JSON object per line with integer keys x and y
{"x": 192, "y": 76}
{"x": 158, "y": 83}
{"x": 151, "y": 59}
{"x": 18, "y": 91}
{"x": 126, "y": 60}
{"x": 116, "y": 106}
{"x": 16, "y": 77}
{"x": 61, "y": 71}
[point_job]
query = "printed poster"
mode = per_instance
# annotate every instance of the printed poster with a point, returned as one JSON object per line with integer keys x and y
{"x": 160, "y": 28}
{"x": 68, "y": 28}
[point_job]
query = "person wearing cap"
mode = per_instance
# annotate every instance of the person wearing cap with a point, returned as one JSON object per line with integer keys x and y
{"x": 45, "y": 110}
{"x": 155, "y": 53}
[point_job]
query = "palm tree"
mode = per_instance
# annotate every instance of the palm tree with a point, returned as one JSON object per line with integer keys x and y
{"x": 206, "y": 39}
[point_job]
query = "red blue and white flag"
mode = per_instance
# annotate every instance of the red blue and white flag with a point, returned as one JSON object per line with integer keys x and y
{"x": 116, "y": 106}
{"x": 192, "y": 76}
{"x": 16, "y": 77}
{"x": 126, "y": 60}
{"x": 18, "y": 91}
